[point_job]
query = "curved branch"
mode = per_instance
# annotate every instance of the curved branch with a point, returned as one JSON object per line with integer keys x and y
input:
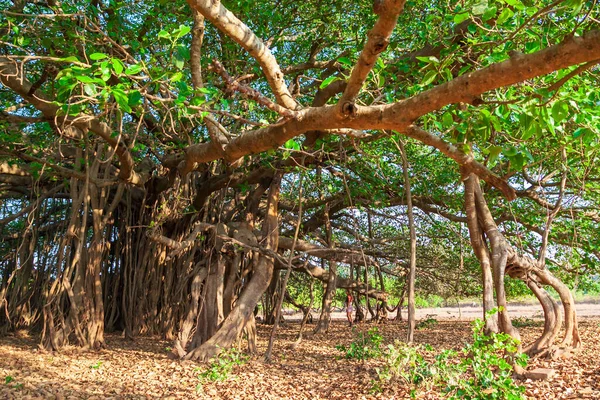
{"x": 377, "y": 42}
{"x": 229, "y": 24}
{"x": 12, "y": 77}
{"x": 401, "y": 115}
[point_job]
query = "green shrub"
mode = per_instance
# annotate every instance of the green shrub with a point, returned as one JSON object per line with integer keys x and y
{"x": 484, "y": 372}
{"x": 522, "y": 322}
{"x": 364, "y": 345}
{"x": 220, "y": 368}
{"x": 428, "y": 322}
{"x": 487, "y": 367}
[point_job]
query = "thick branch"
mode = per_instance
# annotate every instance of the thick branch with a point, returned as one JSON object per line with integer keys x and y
{"x": 229, "y": 24}
{"x": 400, "y": 116}
{"x": 377, "y": 42}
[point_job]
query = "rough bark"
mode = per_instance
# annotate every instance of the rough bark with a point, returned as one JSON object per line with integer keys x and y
{"x": 413, "y": 247}
{"x": 242, "y": 313}
{"x": 481, "y": 252}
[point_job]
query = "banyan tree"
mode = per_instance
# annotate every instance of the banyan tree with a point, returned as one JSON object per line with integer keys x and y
{"x": 163, "y": 164}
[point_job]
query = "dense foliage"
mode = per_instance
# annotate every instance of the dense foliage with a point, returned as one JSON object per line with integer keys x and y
{"x": 157, "y": 157}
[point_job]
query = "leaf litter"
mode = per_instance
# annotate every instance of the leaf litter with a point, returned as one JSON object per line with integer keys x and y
{"x": 314, "y": 369}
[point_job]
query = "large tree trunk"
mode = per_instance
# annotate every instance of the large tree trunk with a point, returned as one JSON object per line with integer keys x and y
{"x": 481, "y": 252}
{"x": 505, "y": 260}
{"x": 242, "y": 313}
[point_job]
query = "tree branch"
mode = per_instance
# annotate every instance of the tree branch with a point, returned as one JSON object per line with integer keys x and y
{"x": 229, "y": 24}
{"x": 377, "y": 41}
{"x": 12, "y": 77}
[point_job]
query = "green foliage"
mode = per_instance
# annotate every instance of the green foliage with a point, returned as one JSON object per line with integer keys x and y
{"x": 488, "y": 364}
{"x": 406, "y": 363}
{"x": 364, "y": 346}
{"x": 429, "y": 301}
{"x": 482, "y": 370}
{"x": 96, "y": 365}
{"x": 428, "y": 322}
{"x": 8, "y": 380}
{"x": 220, "y": 368}
{"x": 522, "y": 322}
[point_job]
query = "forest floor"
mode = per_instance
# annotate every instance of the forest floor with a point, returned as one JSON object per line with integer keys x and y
{"x": 314, "y": 369}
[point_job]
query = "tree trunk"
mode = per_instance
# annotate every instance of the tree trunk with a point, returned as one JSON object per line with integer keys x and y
{"x": 481, "y": 252}
{"x": 413, "y": 246}
{"x": 330, "y": 289}
{"x": 242, "y": 313}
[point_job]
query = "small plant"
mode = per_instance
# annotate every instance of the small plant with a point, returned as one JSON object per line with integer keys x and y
{"x": 220, "y": 367}
{"x": 489, "y": 367}
{"x": 484, "y": 372}
{"x": 364, "y": 346}
{"x": 406, "y": 363}
{"x": 8, "y": 379}
{"x": 96, "y": 365}
{"x": 428, "y": 322}
{"x": 522, "y": 322}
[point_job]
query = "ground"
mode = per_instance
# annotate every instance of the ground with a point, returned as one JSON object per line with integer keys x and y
{"x": 312, "y": 370}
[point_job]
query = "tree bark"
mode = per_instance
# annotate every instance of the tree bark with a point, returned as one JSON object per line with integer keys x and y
{"x": 481, "y": 252}
{"x": 413, "y": 246}
{"x": 242, "y": 313}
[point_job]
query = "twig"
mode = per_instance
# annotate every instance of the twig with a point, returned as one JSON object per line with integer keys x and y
{"x": 235, "y": 86}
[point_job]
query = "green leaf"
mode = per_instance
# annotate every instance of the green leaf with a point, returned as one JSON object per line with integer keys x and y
{"x": 176, "y": 77}
{"x": 428, "y": 78}
{"x": 429, "y": 60}
{"x": 292, "y": 144}
{"x": 515, "y": 3}
{"x": 89, "y": 89}
{"x": 122, "y": 99}
{"x": 447, "y": 120}
{"x": 327, "y": 82}
{"x": 134, "y": 98}
{"x": 70, "y": 59}
{"x": 117, "y": 65}
{"x": 178, "y": 61}
{"x": 181, "y": 31}
{"x": 494, "y": 152}
{"x": 134, "y": 69}
{"x": 510, "y": 151}
{"x": 164, "y": 34}
{"x": 458, "y": 18}
{"x": 504, "y": 16}
{"x": 480, "y": 8}
{"x": 345, "y": 61}
{"x": 105, "y": 70}
{"x": 85, "y": 79}
{"x": 560, "y": 110}
{"x": 489, "y": 13}
{"x": 97, "y": 56}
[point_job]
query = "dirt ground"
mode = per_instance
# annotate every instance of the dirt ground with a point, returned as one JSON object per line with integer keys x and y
{"x": 312, "y": 370}
{"x": 470, "y": 312}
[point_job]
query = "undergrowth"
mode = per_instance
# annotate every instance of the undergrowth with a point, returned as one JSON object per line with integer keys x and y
{"x": 522, "y": 322}
{"x": 428, "y": 322}
{"x": 481, "y": 370}
{"x": 364, "y": 346}
{"x": 221, "y": 367}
